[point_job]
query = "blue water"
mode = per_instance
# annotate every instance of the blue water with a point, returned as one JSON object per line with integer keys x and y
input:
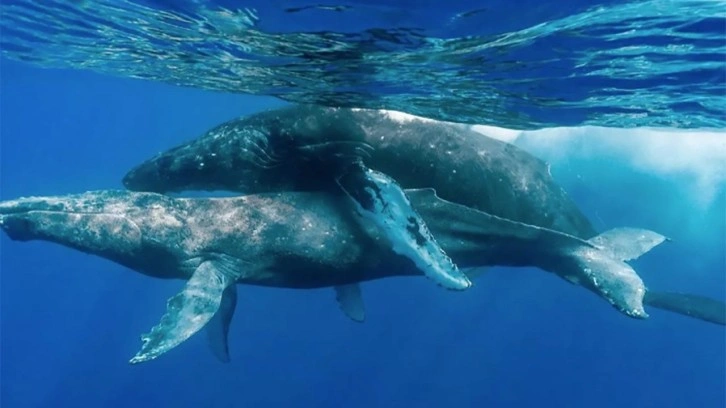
{"x": 519, "y": 338}
{"x": 522, "y": 65}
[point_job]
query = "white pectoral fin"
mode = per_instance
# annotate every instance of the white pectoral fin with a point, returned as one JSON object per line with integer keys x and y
{"x": 382, "y": 202}
{"x": 186, "y": 312}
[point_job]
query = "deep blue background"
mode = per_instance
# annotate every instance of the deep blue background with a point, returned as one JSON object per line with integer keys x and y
{"x": 520, "y": 338}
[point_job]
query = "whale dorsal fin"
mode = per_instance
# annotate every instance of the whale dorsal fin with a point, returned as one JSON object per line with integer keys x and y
{"x": 189, "y": 310}
{"x": 350, "y": 301}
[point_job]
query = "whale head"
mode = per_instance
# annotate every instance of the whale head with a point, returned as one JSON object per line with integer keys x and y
{"x": 110, "y": 224}
{"x": 153, "y": 175}
{"x": 186, "y": 168}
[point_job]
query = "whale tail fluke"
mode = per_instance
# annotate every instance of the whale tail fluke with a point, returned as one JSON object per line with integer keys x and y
{"x": 601, "y": 264}
{"x": 627, "y": 244}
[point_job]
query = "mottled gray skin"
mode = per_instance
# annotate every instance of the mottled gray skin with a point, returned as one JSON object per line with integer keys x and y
{"x": 270, "y": 151}
{"x": 296, "y": 149}
{"x": 298, "y": 239}
{"x": 291, "y": 239}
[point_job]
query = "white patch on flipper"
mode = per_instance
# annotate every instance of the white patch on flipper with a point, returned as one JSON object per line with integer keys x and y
{"x": 399, "y": 222}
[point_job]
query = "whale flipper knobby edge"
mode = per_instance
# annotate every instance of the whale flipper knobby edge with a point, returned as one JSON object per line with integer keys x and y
{"x": 378, "y": 199}
{"x": 188, "y": 311}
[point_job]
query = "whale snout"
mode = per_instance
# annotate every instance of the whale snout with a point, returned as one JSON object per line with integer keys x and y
{"x": 150, "y": 176}
{"x": 17, "y": 227}
{"x": 27, "y": 204}
{"x": 131, "y": 180}
{"x": 93, "y": 222}
{"x": 19, "y": 218}
{"x": 138, "y": 179}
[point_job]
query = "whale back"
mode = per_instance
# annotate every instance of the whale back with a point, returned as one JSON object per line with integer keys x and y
{"x": 468, "y": 168}
{"x": 262, "y": 153}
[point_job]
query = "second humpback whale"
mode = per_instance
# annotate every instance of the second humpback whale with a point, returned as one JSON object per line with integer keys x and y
{"x": 287, "y": 150}
{"x": 309, "y": 240}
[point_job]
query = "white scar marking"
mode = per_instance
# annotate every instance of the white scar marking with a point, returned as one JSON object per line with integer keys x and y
{"x": 396, "y": 116}
{"x": 402, "y": 117}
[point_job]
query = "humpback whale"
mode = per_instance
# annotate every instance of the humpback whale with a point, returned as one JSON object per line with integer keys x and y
{"x": 275, "y": 150}
{"x": 312, "y": 240}
{"x": 318, "y": 149}
{"x": 287, "y": 149}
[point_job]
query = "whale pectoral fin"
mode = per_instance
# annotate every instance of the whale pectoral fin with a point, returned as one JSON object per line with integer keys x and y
{"x": 218, "y": 327}
{"x": 382, "y": 202}
{"x": 186, "y": 312}
{"x": 350, "y": 301}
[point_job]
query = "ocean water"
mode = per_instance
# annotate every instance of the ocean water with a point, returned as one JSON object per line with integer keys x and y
{"x": 69, "y": 322}
{"x": 522, "y": 65}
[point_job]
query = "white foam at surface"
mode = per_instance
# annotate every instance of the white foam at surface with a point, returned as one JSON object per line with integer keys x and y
{"x": 697, "y": 155}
